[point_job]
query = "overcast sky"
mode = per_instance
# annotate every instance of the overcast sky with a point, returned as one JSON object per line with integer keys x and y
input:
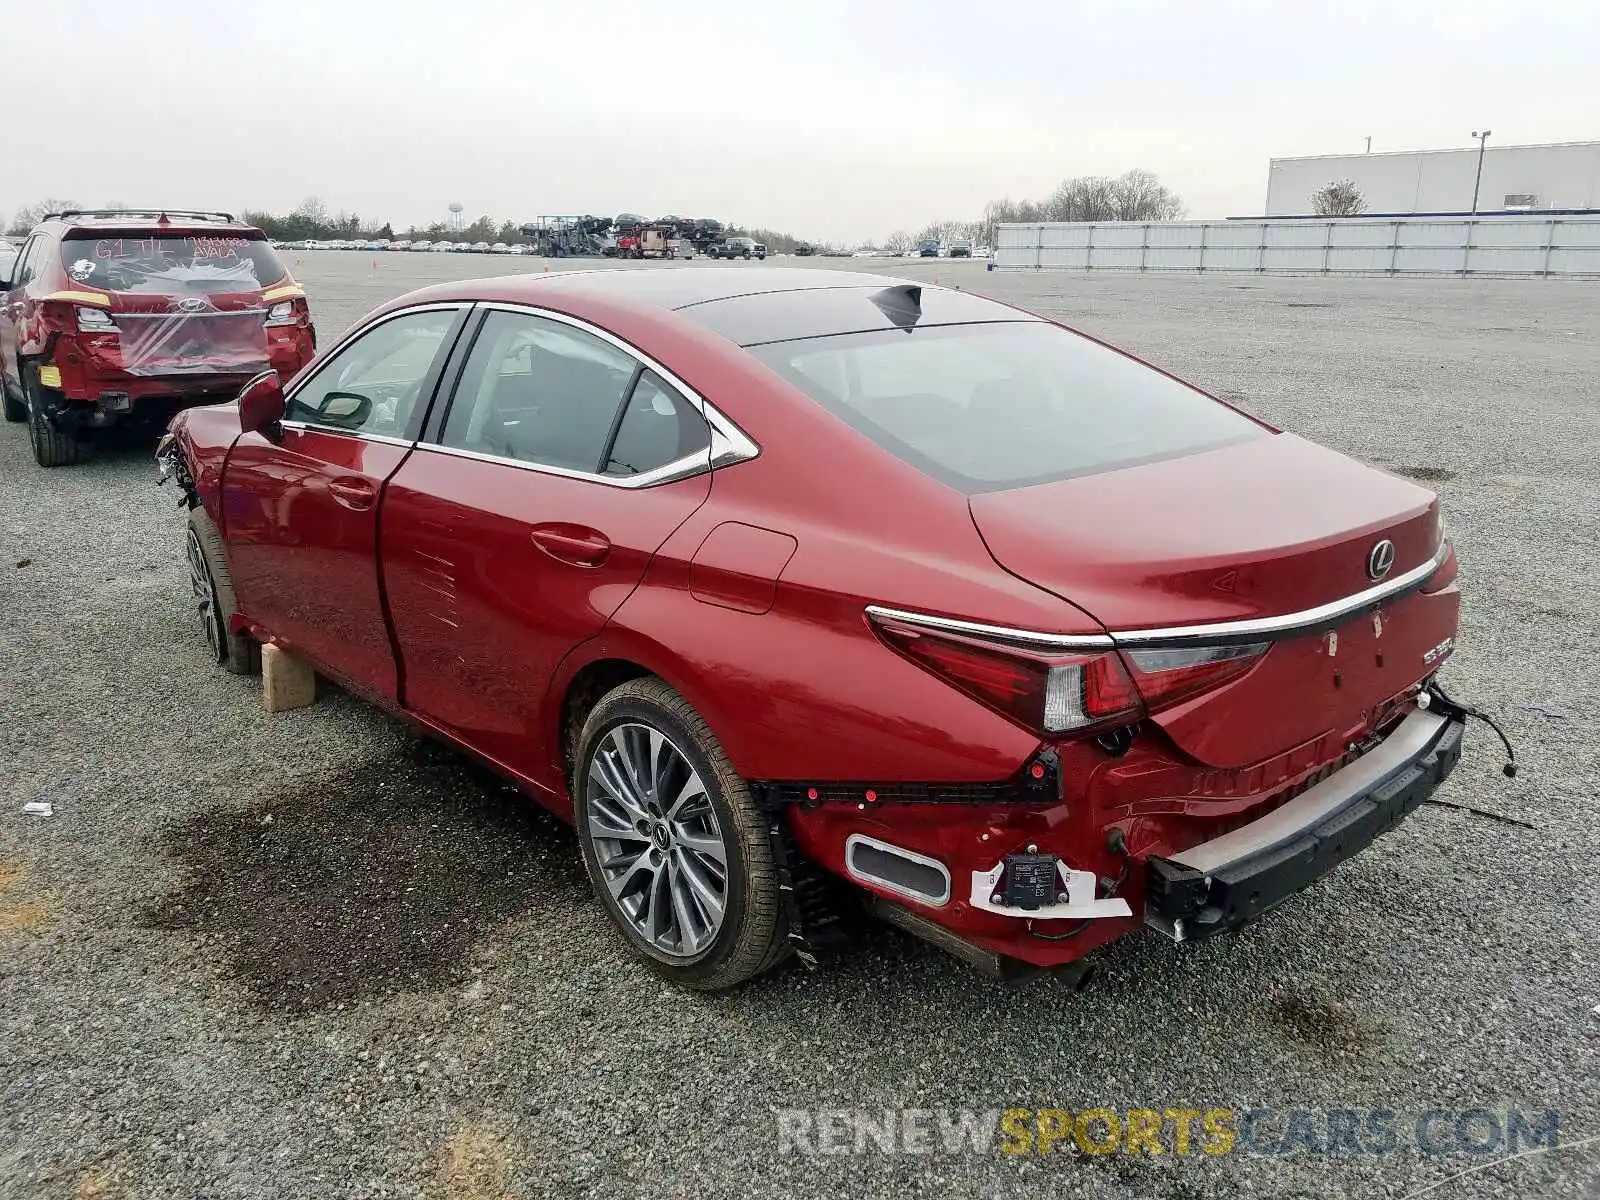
{"x": 830, "y": 120}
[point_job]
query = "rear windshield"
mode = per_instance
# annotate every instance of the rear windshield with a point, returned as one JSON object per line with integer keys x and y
{"x": 167, "y": 265}
{"x": 995, "y": 406}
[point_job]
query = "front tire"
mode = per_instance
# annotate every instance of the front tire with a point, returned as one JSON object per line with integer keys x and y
{"x": 673, "y": 842}
{"x": 212, "y": 587}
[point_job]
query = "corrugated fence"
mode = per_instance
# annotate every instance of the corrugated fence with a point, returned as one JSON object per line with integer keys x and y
{"x": 1512, "y": 245}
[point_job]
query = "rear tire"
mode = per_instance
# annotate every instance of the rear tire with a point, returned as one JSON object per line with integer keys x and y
{"x": 212, "y": 588}
{"x": 52, "y": 447}
{"x": 650, "y": 827}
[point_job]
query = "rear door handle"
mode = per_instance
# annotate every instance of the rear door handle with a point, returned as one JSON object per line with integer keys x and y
{"x": 354, "y": 492}
{"x": 575, "y": 544}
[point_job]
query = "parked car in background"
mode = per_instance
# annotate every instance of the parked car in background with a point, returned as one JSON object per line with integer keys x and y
{"x": 960, "y": 249}
{"x": 110, "y": 316}
{"x": 402, "y": 244}
{"x": 443, "y": 247}
{"x": 926, "y": 250}
{"x": 737, "y": 247}
{"x": 500, "y": 248}
{"x": 479, "y": 248}
{"x": 804, "y": 249}
{"x": 1036, "y": 667}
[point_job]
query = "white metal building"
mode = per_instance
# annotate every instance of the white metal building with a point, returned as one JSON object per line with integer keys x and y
{"x": 1562, "y": 175}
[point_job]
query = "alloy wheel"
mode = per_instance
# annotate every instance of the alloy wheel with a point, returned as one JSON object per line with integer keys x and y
{"x": 205, "y": 596}
{"x": 656, "y": 840}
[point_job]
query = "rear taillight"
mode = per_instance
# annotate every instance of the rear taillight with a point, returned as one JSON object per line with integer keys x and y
{"x": 1051, "y": 694}
{"x": 1164, "y": 677}
{"x": 94, "y": 320}
{"x": 288, "y": 312}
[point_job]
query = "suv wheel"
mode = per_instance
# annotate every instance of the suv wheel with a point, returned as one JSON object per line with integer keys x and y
{"x": 673, "y": 843}
{"x": 52, "y": 447}
{"x": 212, "y": 588}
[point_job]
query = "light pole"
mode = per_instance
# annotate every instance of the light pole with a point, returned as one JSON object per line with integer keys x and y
{"x": 1477, "y": 182}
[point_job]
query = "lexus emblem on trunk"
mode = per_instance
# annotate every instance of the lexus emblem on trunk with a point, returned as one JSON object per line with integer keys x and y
{"x": 1380, "y": 559}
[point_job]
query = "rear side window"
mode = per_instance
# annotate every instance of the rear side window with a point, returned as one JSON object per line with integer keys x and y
{"x": 28, "y": 263}
{"x": 538, "y": 391}
{"x": 658, "y": 427}
{"x": 171, "y": 265}
{"x": 989, "y": 407}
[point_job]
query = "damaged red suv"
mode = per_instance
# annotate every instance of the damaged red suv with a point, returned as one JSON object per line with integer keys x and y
{"x": 791, "y": 587}
{"x": 110, "y": 316}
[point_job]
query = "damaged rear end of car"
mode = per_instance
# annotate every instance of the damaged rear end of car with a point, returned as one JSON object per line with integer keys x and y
{"x": 1258, "y": 700}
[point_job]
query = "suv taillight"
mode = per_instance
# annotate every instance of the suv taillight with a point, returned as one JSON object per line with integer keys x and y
{"x": 288, "y": 312}
{"x": 1048, "y": 693}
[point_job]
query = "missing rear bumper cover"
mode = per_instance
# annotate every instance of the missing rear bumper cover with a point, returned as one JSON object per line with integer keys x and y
{"x": 1227, "y": 882}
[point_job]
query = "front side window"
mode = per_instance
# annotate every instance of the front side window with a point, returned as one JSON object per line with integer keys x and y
{"x": 161, "y": 264}
{"x": 994, "y": 406}
{"x": 538, "y": 391}
{"x": 375, "y": 384}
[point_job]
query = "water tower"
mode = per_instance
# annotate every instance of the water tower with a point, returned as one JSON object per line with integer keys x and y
{"x": 456, "y": 208}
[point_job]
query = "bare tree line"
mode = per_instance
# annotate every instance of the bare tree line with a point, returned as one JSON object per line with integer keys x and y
{"x": 1136, "y": 195}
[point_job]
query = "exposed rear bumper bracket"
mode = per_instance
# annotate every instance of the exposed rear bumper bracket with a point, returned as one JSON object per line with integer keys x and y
{"x": 1229, "y": 881}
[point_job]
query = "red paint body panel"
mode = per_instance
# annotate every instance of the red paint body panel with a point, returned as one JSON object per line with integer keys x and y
{"x": 1269, "y": 526}
{"x": 489, "y": 587}
{"x": 738, "y": 566}
{"x": 483, "y": 614}
{"x": 301, "y": 523}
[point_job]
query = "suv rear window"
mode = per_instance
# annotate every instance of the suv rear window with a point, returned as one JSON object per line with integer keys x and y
{"x": 989, "y": 407}
{"x": 185, "y": 264}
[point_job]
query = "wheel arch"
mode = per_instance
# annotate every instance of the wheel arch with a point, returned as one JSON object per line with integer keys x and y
{"x": 607, "y": 661}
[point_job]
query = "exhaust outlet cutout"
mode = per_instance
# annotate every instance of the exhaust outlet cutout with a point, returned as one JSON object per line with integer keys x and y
{"x": 898, "y": 870}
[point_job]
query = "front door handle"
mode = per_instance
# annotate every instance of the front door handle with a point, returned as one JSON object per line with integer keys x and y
{"x": 354, "y": 492}
{"x": 575, "y": 544}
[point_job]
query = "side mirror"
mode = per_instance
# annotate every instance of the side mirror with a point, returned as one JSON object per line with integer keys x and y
{"x": 348, "y": 410}
{"x": 261, "y": 404}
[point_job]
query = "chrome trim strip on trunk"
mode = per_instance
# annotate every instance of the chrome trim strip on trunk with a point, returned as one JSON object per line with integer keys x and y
{"x": 1215, "y": 633}
{"x": 1306, "y": 620}
{"x": 1318, "y": 803}
{"x": 993, "y": 633}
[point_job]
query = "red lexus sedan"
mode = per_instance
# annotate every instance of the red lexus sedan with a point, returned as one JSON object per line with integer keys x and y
{"x": 785, "y": 586}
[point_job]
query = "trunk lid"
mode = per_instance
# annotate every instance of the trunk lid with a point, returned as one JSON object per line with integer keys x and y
{"x": 1263, "y": 528}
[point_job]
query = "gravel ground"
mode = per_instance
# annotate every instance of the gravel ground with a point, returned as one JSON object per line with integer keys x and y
{"x": 306, "y": 955}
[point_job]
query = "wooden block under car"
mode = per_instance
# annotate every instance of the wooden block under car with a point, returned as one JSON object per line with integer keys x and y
{"x": 287, "y": 681}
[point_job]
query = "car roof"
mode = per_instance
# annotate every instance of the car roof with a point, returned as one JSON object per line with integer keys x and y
{"x": 145, "y": 220}
{"x": 748, "y": 305}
